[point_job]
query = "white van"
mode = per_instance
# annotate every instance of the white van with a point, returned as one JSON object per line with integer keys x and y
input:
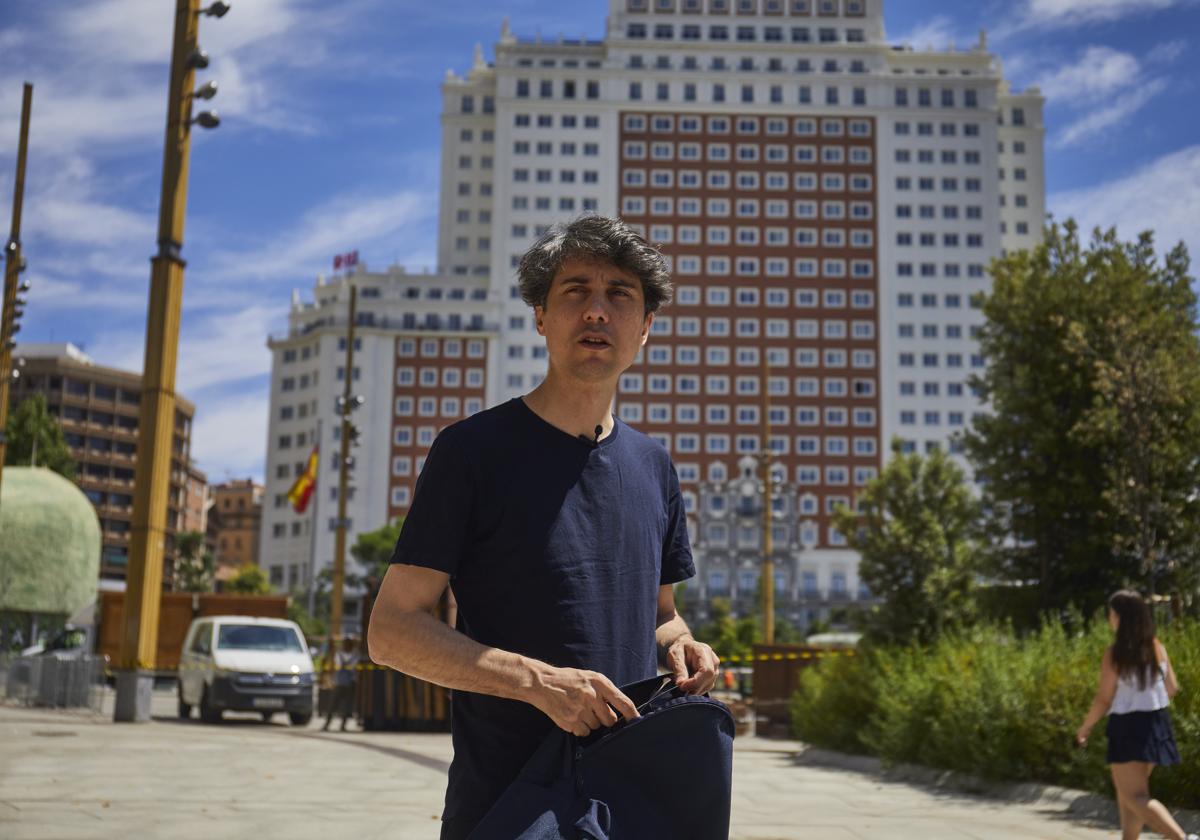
{"x": 245, "y": 664}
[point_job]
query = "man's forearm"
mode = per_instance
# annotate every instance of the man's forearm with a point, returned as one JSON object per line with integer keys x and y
{"x": 418, "y": 644}
{"x": 668, "y": 633}
{"x": 422, "y": 646}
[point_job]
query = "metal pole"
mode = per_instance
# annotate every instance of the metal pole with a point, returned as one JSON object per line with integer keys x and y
{"x": 339, "y": 549}
{"x": 312, "y": 559}
{"x": 156, "y": 419}
{"x": 768, "y": 567}
{"x": 12, "y": 273}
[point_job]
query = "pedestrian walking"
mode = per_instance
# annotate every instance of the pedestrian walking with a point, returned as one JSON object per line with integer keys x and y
{"x": 345, "y": 668}
{"x": 560, "y": 529}
{"x": 1137, "y": 683}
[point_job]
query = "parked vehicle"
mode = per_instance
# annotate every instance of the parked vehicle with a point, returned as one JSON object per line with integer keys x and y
{"x": 246, "y": 664}
{"x": 175, "y": 614}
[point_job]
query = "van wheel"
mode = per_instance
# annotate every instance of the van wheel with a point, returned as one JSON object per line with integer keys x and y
{"x": 185, "y": 709}
{"x": 207, "y": 713}
{"x": 300, "y": 718}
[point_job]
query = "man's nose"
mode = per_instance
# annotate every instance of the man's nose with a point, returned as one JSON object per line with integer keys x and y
{"x": 597, "y": 309}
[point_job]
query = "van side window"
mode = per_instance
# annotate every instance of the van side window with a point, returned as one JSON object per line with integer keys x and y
{"x": 202, "y": 643}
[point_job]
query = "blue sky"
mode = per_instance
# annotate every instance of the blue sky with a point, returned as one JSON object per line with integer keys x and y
{"x": 330, "y": 140}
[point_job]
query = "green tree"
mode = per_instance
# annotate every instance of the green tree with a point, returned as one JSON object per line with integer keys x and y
{"x": 194, "y": 564}
{"x": 373, "y": 549}
{"x": 249, "y": 580}
{"x": 917, "y": 539}
{"x": 1090, "y": 454}
{"x": 312, "y": 626}
{"x": 35, "y": 438}
{"x": 728, "y": 636}
{"x": 735, "y": 637}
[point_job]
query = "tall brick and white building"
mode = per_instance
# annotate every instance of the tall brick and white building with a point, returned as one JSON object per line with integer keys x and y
{"x": 424, "y": 354}
{"x": 829, "y": 203}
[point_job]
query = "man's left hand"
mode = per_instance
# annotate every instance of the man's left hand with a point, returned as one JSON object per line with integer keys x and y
{"x": 693, "y": 664}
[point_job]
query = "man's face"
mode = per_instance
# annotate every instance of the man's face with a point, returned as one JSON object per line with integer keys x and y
{"x": 594, "y": 320}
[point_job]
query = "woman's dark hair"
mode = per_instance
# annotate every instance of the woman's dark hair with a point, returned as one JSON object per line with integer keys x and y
{"x": 594, "y": 238}
{"x": 1133, "y": 651}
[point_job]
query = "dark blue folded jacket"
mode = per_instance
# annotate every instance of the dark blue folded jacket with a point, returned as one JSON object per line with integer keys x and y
{"x": 664, "y": 775}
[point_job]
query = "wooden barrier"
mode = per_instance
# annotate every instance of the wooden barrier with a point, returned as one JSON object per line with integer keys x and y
{"x": 777, "y": 671}
{"x": 388, "y": 700}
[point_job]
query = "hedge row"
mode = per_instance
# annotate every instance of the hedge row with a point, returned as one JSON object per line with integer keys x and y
{"x": 994, "y": 705}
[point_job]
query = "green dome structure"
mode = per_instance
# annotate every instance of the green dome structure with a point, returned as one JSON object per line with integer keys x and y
{"x": 49, "y": 543}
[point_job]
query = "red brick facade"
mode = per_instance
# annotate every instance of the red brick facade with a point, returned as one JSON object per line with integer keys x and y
{"x": 437, "y": 381}
{"x": 780, "y": 212}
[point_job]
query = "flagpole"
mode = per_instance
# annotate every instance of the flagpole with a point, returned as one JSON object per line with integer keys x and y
{"x": 312, "y": 555}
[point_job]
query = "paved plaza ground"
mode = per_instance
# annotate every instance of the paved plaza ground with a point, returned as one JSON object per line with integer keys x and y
{"x": 66, "y": 775}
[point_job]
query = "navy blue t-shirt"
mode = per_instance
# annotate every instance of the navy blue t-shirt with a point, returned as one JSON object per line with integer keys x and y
{"x": 556, "y": 550}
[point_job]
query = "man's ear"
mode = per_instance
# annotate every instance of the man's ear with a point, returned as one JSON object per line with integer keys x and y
{"x": 646, "y": 328}
{"x": 539, "y": 314}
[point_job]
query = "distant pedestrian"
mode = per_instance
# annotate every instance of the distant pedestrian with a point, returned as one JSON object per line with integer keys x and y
{"x": 1136, "y": 685}
{"x": 345, "y": 665}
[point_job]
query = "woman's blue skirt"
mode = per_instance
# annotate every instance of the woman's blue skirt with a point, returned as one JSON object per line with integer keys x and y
{"x": 1142, "y": 736}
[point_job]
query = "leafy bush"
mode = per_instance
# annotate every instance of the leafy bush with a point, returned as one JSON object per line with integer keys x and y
{"x": 987, "y": 702}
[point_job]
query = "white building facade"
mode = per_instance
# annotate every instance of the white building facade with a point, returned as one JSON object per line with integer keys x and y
{"x": 424, "y": 357}
{"x": 829, "y": 203}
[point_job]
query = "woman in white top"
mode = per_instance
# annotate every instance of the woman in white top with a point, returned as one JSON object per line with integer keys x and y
{"x": 1136, "y": 684}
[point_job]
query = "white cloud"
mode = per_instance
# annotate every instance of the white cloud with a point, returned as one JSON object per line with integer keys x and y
{"x": 88, "y": 222}
{"x": 49, "y": 293}
{"x": 1161, "y": 196}
{"x": 1168, "y": 51}
{"x": 105, "y": 86}
{"x": 216, "y": 348}
{"x": 1106, "y": 117}
{"x": 329, "y": 229}
{"x": 1065, "y": 14}
{"x": 1097, "y": 73}
{"x": 10, "y": 39}
{"x": 229, "y": 434}
{"x": 936, "y": 33}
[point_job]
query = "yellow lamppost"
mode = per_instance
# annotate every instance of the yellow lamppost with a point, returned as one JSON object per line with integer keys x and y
{"x": 156, "y": 419}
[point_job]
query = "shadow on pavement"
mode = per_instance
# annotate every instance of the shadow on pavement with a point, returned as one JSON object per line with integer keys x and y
{"x": 434, "y": 764}
{"x": 1090, "y": 811}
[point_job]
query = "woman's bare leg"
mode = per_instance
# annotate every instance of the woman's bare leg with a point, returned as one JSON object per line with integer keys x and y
{"x": 1131, "y": 823}
{"x": 1132, "y": 781}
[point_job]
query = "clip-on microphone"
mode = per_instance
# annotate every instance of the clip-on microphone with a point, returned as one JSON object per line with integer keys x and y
{"x": 594, "y": 441}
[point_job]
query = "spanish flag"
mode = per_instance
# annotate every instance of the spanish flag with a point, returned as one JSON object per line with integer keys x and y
{"x": 302, "y": 490}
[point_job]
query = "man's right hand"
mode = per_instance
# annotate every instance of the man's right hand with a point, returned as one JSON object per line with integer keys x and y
{"x": 578, "y": 701}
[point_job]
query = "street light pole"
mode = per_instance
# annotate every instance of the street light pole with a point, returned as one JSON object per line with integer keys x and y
{"x": 768, "y": 567}
{"x": 156, "y": 418}
{"x": 347, "y": 406}
{"x": 12, "y": 273}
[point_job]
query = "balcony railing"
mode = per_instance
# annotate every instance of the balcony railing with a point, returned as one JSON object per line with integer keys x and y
{"x": 399, "y": 324}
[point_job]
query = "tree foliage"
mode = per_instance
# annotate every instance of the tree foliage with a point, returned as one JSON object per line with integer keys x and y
{"x": 733, "y": 638}
{"x": 249, "y": 580}
{"x": 194, "y": 564}
{"x": 916, "y": 534}
{"x": 35, "y": 438}
{"x": 1090, "y": 453}
{"x": 373, "y": 549}
{"x": 730, "y": 637}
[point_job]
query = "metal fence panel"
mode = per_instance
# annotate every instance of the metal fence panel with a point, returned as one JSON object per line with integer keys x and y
{"x": 75, "y": 682}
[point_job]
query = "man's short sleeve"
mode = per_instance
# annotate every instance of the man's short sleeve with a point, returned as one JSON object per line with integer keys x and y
{"x": 677, "y": 549}
{"x": 436, "y": 530}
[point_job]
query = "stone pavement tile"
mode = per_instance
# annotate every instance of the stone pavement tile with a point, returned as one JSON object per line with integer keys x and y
{"x": 185, "y": 780}
{"x": 814, "y": 830}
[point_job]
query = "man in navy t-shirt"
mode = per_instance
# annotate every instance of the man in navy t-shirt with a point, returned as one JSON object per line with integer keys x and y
{"x": 559, "y": 528}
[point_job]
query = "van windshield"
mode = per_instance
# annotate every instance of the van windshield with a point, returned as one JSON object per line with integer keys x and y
{"x": 257, "y": 637}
